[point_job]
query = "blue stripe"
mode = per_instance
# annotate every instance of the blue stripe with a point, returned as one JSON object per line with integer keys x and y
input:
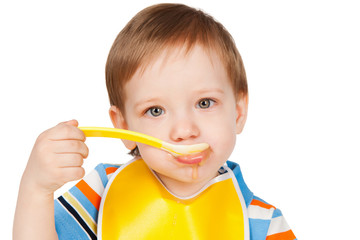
{"x": 247, "y": 194}
{"x": 277, "y": 213}
{"x": 258, "y": 228}
{"x": 102, "y": 173}
{"x": 66, "y": 226}
{"x": 89, "y": 207}
{"x": 106, "y": 165}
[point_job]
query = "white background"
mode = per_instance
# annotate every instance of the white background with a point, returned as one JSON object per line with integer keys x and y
{"x": 300, "y": 147}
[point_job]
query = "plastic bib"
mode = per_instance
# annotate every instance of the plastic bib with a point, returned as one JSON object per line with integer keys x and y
{"x": 136, "y": 205}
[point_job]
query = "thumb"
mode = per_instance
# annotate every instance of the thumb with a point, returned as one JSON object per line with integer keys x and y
{"x": 72, "y": 122}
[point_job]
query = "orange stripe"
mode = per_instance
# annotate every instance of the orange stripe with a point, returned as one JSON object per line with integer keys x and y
{"x": 261, "y": 204}
{"x": 110, "y": 170}
{"x": 288, "y": 235}
{"x": 93, "y": 197}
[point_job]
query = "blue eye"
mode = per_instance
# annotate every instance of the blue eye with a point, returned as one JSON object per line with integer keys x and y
{"x": 205, "y": 103}
{"x": 155, "y": 111}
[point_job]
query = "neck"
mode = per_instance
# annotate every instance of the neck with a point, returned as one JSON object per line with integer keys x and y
{"x": 184, "y": 189}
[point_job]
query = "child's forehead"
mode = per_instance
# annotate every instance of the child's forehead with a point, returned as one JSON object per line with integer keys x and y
{"x": 177, "y": 69}
{"x": 178, "y": 53}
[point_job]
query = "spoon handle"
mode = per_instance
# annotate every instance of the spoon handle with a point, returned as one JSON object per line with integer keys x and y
{"x": 122, "y": 134}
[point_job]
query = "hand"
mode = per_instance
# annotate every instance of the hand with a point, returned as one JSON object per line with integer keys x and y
{"x": 56, "y": 158}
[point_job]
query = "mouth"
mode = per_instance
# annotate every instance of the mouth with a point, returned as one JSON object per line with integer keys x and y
{"x": 191, "y": 159}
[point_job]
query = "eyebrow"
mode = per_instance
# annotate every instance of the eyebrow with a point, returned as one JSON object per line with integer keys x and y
{"x": 207, "y": 90}
{"x": 145, "y": 102}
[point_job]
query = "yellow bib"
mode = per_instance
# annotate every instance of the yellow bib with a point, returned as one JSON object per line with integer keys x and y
{"x": 136, "y": 205}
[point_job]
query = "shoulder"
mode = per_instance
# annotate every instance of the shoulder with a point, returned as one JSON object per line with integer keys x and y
{"x": 267, "y": 221}
{"x": 259, "y": 209}
{"x": 98, "y": 178}
{"x": 105, "y": 171}
{"x": 92, "y": 186}
{"x": 76, "y": 211}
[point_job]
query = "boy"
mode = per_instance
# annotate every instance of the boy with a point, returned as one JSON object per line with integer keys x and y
{"x": 174, "y": 73}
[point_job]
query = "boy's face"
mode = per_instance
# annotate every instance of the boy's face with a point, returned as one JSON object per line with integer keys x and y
{"x": 183, "y": 99}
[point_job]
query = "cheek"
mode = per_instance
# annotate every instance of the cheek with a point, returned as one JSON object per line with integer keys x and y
{"x": 146, "y": 150}
{"x": 223, "y": 145}
{"x": 152, "y": 156}
{"x": 153, "y": 128}
{"x": 222, "y": 138}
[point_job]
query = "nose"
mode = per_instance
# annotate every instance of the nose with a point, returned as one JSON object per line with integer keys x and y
{"x": 184, "y": 129}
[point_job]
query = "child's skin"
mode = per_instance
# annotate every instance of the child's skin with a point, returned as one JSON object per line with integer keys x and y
{"x": 180, "y": 98}
{"x": 176, "y": 85}
{"x": 56, "y": 159}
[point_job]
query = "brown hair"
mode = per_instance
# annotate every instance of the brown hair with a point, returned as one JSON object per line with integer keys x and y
{"x": 163, "y": 26}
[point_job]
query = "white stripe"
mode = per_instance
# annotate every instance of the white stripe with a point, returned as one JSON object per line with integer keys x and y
{"x": 257, "y": 212}
{"x": 94, "y": 181}
{"x": 109, "y": 175}
{"x": 278, "y": 225}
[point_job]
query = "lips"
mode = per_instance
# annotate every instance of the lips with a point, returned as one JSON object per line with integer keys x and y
{"x": 193, "y": 158}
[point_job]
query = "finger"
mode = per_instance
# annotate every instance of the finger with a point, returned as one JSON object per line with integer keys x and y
{"x": 72, "y": 122}
{"x": 72, "y": 173}
{"x": 71, "y": 146}
{"x": 69, "y": 160}
{"x": 66, "y": 131}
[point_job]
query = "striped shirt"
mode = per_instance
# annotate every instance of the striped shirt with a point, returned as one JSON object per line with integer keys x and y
{"x": 76, "y": 211}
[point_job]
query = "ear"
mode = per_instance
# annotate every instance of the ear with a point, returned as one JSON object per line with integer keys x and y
{"x": 241, "y": 112}
{"x": 118, "y": 120}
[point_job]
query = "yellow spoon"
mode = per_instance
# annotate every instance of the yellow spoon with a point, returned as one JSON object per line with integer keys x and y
{"x": 175, "y": 150}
